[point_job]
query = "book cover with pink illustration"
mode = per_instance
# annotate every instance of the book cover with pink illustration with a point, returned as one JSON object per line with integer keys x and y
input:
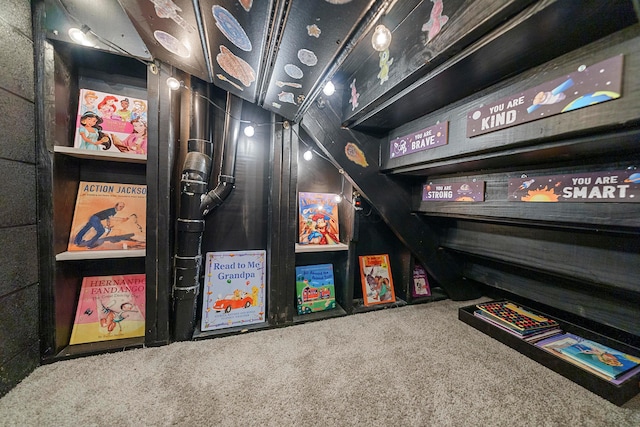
{"x": 110, "y": 308}
{"x": 111, "y": 122}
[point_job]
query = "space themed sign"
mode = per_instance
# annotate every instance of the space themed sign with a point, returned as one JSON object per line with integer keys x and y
{"x": 454, "y": 192}
{"x": 423, "y": 139}
{"x": 608, "y": 186}
{"x": 587, "y": 86}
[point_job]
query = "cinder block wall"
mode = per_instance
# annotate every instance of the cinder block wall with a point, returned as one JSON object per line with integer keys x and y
{"x": 19, "y": 288}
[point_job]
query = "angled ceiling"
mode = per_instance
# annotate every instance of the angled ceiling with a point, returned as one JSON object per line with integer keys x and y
{"x": 279, "y": 54}
{"x": 275, "y": 53}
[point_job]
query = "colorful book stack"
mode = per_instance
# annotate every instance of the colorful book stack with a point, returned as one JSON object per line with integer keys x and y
{"x": 517, "y": 321}
{"x": 605, "y": 362}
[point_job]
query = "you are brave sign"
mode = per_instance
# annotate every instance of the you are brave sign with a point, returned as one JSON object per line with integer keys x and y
{"x": 424, "y": 139}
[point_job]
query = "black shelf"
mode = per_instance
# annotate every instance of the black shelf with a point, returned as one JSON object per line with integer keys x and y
{"x": 359, "y": 307}
{"x": 320, "y": 315}
{"x": 616, "y": 394}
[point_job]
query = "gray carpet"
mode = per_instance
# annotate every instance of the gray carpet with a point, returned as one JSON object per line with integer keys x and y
{"x": 412, "y": 366}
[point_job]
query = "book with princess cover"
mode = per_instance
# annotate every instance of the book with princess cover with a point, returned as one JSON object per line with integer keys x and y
{"x": 318, "y": 219}
{"x": 111, "y": 122}
{"x": 109, "y": 216}
{"x": 376, "y": 279}
{"x": 315, "y": 288}
{"x": 110, "y": 308}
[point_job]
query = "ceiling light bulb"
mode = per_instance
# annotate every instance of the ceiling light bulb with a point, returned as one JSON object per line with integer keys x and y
{"x": 381, "y": 38}
{"x": 249, "y": 131}
{"x": 329, "y": 89}
{"x": 308, "y": 155}
{"x": 173, "y": 83}
{"x": 80, "y": 36}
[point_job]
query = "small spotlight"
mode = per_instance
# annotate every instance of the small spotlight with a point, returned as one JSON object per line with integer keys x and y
{"x": 249, "y": 131}
{"x": 338, "y": 198}
{"x": 381, "y": 38}
{"x": 173, "y": 83}
{"x": 80, "y": 35}
{"x": 308, "y": 155}
{"x": 329, "y": 89}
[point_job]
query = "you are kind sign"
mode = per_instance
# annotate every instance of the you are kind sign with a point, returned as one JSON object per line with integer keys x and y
{"x": 587, "y": 86}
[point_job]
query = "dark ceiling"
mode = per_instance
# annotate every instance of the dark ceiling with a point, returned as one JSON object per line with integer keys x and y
{"x": 279, "y": 54}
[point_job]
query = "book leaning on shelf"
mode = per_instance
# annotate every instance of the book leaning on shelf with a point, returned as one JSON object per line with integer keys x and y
{"x": 376, "y": 279}
{"x": 110, "y": 308}
{"x": 109, "y": 216}
{"x": 111, "y": 122}
{"x": 315, "y": 288}
{"x": 318, "y": 219}
{"x": 602, "y": 361}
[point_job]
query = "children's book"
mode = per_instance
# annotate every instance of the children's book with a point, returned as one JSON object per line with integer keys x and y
{"x": 111, "y": 122}
{"x": 110, "y": 308}
{"x": 606, "y": 360}
{"x": 516, "y": 317}
{"x": 315, "y": 288}
{"x": 420, "y": 286}
{"x": 234, "y": 289}
{"x": 318, "y": 219}
{"x": 556, "y": 344}
{"x": 109, "y": 216}
{"x": 377, "y": 282}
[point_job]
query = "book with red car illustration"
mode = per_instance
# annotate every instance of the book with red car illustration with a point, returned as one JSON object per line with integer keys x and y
{"x": 315, "y": 288}
{"x": 234, "y": 289}
{"x": 110, "y": 308}
{"x": 111, "y": 122}
{"x": 109, "y": 216}
{"x": 377, "y": 282}
{"x": 318, "y": 219}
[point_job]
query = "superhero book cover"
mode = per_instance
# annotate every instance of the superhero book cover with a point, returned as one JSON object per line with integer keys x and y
{"x": 110, "y": 308}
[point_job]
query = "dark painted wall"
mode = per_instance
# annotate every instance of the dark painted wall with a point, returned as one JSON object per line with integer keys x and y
{"x": 19, "y": 347}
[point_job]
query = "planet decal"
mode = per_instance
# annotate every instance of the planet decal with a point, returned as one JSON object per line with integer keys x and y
{"x": 591, "y": 99}
{"x": 307, "y": 57}
{"x": 634, "y": 178}
{"x": 230, "y": 27}
{"x": 293, "y": 71}
{"x": 172, "y": 44}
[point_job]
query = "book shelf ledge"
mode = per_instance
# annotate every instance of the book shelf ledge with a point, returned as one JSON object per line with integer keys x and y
{"x": 80, "y": 255}
{"x": 100, "y": 155}
{"x": 321, "y": 248}
{"x": 617, "y": 394}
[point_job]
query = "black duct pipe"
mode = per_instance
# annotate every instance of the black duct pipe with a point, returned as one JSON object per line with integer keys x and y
{"x": 195, "y": 204}
{"x": 226, "y": 179}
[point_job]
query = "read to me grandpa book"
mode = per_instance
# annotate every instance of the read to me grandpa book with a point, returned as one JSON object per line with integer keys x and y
{"x": 315, "y": 288}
